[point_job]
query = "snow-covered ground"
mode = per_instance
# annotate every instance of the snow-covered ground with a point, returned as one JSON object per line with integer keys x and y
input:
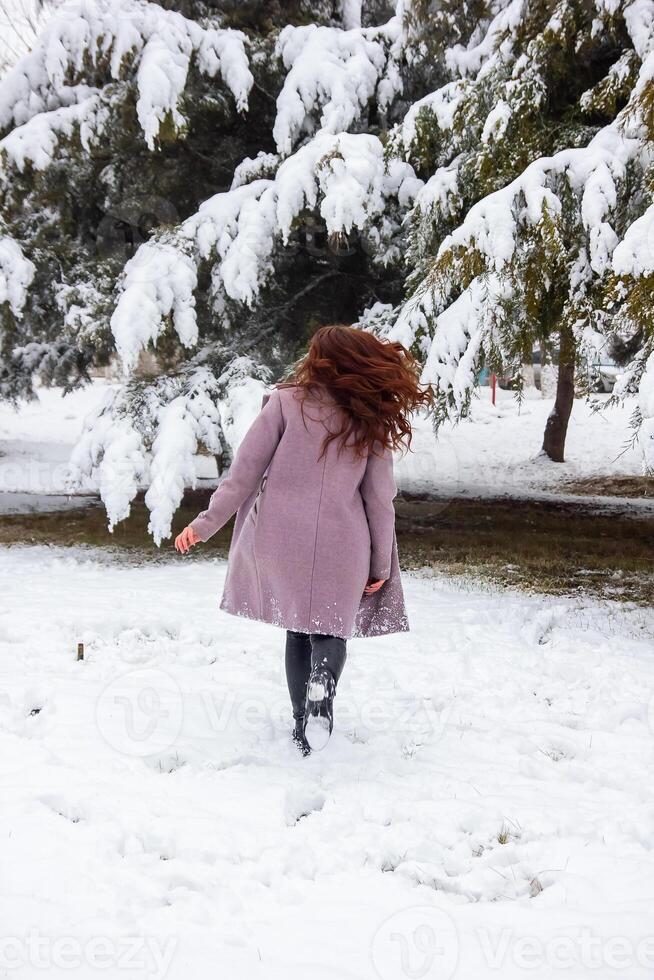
{"x": 37, "y": 438}
{"x": 495, "y": 452}
{"x": 484, "y": 809}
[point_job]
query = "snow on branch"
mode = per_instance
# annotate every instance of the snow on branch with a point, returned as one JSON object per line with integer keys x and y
{"x": 639, "y": 20}
{"x": 492, "y": 226}
{"x": 462, "y": 331}
{"x": 213, "y": 412}
{"x": 498, "y": 81}
{"x": 253, "y": 168}
{"x": 334, "y": 73}
{"x": 491, "y": 45}
{"x": 148, "y": 435}
{"x": 351, "y": 13}
{"x": 158, "y": 285}
{"x": 634, "y": 255}
{"x": 16, "y": 275}
{"x": 112, "y": 450}
{"x": 344, "y": 177}
{"x": 122, "y": 38}
{"x": 452, "y": 343}
{"x": 173, "y": 466}
{"x": 36, "y": 141}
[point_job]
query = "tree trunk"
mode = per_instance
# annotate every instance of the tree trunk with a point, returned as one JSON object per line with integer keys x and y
{"x": 557, "y": 423}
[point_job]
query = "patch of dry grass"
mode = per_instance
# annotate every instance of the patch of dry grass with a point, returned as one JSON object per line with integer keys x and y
{"x": 635, "y": 487}
{"x": 552, "y": 547}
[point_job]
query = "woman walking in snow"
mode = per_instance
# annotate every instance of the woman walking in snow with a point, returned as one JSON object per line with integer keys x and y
{"x": 313, "y": 549}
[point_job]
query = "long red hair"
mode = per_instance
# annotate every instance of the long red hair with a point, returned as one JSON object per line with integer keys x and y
{"x": 375, "y": 382}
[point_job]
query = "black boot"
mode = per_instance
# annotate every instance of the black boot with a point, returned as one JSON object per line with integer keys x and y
{"x": 298, "y": 737}
{"x": 319, "y": 710}
{"x": 298, "y": 669}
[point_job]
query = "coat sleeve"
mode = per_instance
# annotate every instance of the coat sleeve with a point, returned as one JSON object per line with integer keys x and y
{"x": 248, "y": 467}
{"x": 378, "y": 490}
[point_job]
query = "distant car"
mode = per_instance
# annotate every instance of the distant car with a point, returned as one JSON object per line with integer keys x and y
{"x": 509, "y": 381}
{"x": 603, "y": 373}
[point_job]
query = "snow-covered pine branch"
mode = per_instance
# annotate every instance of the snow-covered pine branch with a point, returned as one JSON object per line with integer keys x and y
{"x": 345, "y": 178}
{"x": 98, "y": 72}
{"x": 112, "y": 450}
{"x": 120, "y": 38}
{"x": 333, "y": 76}
{"x": 37, "y": 141}
{"x": 16, "y": 275}
{"x": 145, "y": 435}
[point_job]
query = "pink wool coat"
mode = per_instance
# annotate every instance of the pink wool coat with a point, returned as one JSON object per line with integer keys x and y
{"x": 309, "y": 532}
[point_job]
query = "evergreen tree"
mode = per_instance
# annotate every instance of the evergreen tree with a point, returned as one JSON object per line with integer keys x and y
{"x": 211, "y": 180}
{"x": 535, "y": 224}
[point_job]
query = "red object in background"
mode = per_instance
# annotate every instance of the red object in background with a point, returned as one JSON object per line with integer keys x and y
{"x": 493, "y": 387}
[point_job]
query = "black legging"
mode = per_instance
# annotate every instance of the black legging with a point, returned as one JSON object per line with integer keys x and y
{"x": 304, "y": 651}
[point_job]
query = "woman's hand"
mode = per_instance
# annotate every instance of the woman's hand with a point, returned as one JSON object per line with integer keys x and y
{"x": 186, "y": 540}
{"x": 373, "y": 585}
